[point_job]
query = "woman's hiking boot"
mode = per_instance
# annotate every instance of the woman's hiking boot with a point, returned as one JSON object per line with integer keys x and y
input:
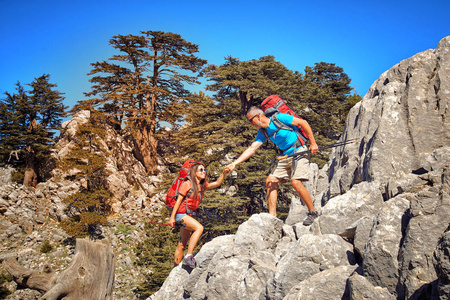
{"x": 189, "y": 261}
{"x": 312, "y": 215}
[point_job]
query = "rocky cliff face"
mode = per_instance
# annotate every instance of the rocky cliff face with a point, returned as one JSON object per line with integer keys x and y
{"x": 132, "y": 189}
{"x": 402, "y": 119}
{"x": 383, "y": 230}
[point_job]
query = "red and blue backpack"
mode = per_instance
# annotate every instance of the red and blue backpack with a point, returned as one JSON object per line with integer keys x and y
{"x": 174, "y": 190}
{"x": 273, "y": 105}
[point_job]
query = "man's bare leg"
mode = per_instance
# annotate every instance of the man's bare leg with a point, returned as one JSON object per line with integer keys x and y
{"x": 303, "y": 193}
{"x": 272, "y": 194}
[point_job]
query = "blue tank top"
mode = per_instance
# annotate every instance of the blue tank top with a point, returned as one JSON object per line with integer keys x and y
{"x": 284, "y": 139}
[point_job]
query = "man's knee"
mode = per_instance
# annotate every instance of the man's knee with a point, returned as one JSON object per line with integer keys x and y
{"x": 297, "y": 183}
{"x": 271, "y": 182}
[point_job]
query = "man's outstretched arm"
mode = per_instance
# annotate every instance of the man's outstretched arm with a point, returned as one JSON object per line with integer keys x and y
{"x": 245, "y": 155}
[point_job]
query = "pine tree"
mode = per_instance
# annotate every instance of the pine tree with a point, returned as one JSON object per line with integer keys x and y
{"x": 29, "y": 121}
{"x": 13, "y": 124}
{"x": 88, "y": 207}
{"x": 327, "y": 89}
{"x": 50, "y": 103}
{"x": 253, "y": 80}
{"x": 146, "y": 85}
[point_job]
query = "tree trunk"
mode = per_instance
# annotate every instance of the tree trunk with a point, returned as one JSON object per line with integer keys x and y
{"x": 147, "y": 144}
{"x": 30, "y": 178}
{"x": 245, "y": 102}
{"x": 90, "y": 275}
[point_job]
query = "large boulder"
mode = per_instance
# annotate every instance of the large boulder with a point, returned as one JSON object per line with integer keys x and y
{"x": 342, "y": 213}
{"x": 229, "y": 267}
{"x": 380, "y": 255}
{"x": 330, "y": 284}
{"x": 311, "y": 255}
{"x": 361, "y": 288}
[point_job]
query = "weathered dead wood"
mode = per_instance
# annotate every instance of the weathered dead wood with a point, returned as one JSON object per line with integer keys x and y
{"x": 15, "y": 153}
{"x": 90, "y": 275}
{"x": 36, "y": 280}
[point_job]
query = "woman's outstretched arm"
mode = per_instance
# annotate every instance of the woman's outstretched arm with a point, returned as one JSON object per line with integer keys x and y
{"x": 219, "y": 180}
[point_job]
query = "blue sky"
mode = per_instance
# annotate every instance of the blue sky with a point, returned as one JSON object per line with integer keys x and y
{"x": 62, "y": 38}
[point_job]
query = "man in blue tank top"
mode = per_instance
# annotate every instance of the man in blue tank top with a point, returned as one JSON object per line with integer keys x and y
{"x": 286, "y": 140}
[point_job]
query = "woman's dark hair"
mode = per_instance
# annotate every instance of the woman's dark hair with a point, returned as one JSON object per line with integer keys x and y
{"x": 192, "y": 175}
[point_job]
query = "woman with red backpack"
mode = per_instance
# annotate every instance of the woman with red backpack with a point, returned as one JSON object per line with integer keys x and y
{"x": 190, "y": 195}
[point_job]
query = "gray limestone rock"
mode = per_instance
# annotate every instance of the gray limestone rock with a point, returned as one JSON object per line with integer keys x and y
{"x": 330, "y": 284}
{"x": 361, "y": 288}
{"x": 312, "y": 254}
{"x": 441, "y": 261}
{"x": 342, "y": 212}
{"x": 380, "y": 255}
{"x": 403, "y": 117}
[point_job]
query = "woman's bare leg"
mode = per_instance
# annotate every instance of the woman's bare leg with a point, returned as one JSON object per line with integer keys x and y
{"x": 196, "y": 228}
{"x": 184, "y": 238}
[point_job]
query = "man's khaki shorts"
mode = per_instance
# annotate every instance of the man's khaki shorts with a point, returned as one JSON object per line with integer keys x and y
{"x": 284, "y": 167}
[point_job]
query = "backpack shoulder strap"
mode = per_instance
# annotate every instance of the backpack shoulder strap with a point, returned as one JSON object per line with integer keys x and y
{"x": 191, "y": 189}
{"x": 264, "y": 133}
{"x": 278, "y": 124}
{"x": 301, "y": 138}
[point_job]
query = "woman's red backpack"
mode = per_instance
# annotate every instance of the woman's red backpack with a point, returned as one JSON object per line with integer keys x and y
{"x": 172, "y": 193}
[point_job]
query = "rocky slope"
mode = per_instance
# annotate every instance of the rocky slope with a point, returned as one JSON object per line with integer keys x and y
{"x": 383, "y": 230}
{"x": 29, "y": 217}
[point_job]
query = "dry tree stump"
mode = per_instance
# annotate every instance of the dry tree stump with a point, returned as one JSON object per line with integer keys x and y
{"x": 90, "y": 275}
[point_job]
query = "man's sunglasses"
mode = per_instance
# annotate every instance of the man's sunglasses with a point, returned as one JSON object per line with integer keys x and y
{"x": 251, "y": 119}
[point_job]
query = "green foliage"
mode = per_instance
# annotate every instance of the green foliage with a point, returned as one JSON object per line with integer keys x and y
{"x": 325, "y": 92}
{"x": 46, "y": 247}
{"x": 27, "y": 125}
{"x": 17, "y": 176}
{"x": 157, "y": 253}
{"x": 124, "y": 229}
{"x": 252, "y": 80}
{"x": 88, "y": 207}
{"x": 74, "y": 228}
{"x": 50, "y": 109}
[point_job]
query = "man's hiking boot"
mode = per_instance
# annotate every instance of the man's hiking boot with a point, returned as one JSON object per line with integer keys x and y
{"x": 189, "y": 261}
{"x": 312, "y": 215}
